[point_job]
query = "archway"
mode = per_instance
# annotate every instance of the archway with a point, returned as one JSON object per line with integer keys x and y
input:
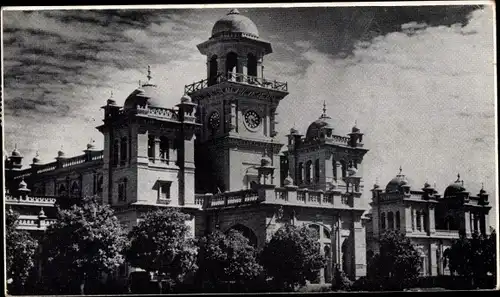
{"x": 325, "y": 241}
{"x": 251, "y": 65}
{"x": 231, "y": 62}
{"x": 213, "y": 69}
{"x": 247, "y": 232}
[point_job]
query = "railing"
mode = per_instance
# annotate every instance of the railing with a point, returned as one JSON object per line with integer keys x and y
{"x": 450, "y": 232}
{"x": 34, "y": 223}
{"x": 236, "y": 77}
{"x": 340, "y": 139}
{"x": 281, "y": 194}
{"x": 164, "y": 113}
{"x": 29, "y": 199}
{"x": 74, "y": 161}
{"x": 231, "y": 198}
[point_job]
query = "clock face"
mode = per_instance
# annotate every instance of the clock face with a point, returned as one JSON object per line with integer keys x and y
{"x": 252, "y": 119}
{"x": 214, "y": 120}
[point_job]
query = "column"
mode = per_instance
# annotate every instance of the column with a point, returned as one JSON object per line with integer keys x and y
{"x": 433, "y": 259}
{"x": 338, "y": 166}
{"x": 432, "y": 220}
{"x": 359, "y": 246}
{"x": 157, "y": 148}
{"x": 172, "y": 152}
{"x": 422, "y": 225}
{"x": 408, "y": 219}
{"x": 414, "y": 219}
{"x": 467, "y": 223}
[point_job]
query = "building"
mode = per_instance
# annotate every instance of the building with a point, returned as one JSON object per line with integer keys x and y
{"x": 429, "y": 219}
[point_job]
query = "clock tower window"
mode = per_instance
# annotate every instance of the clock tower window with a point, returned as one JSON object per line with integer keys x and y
{"x": 232, "y": 62}
{"x": 213, "y": 70}
{"x": 251, "y": 65}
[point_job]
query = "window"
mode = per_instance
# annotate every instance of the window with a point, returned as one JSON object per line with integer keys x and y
{"x": 123, "y": 151}
{"x": 251, "y": 65}
{"x": 390, "y": 220}
{"x": 151, "y": 147}
{"x": 122, "y": 190}
{"x": 115, "y": 153}
{"x": 334, "y": 166}
{"x": 316, "y": 171}
{"x": 398, "y": 221}
{"x": 62, "y": 190}
{"x": 344, "y": 168}
{"x": 164, "y": 190}
{"x": 212, "y": 78}
{"x": 164, "y": 147}
{"x": 75, "y": 190}
{"x": 382, "y": 221}
{"x": 308, "y": 172}
{"x": 231, "y": 62}
{"x": 301, "y": 170}
{"x": 419, "y": 223}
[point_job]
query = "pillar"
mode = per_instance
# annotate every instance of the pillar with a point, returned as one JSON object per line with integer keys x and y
{"x": 157, "y": 148}
{"x": 338, "y": 166}
{"x": 431, "y": 220}
{"x": 408, "y": 219}
{"x": 414, "y": 219}
{"x": 422, "y": 225}
{"x": 172, "y": 152}
{"x": 359, "y": 246}
{"x": 433, "y": 259}
{"x": 467, "y": 223}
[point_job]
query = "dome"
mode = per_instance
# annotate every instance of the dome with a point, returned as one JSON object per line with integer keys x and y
{"x": 16, "y": 153}
{"x": 352, "y": 171}
{"x": 294, "y": 131}
{"x": 324, "y": 122}
{"x": 234, "y": 22}
{"x": 36, "y": 159}
{"x": 148, "y": 94}
{"x": 397, "y": 183}
{"x": 60, "y": 153}
{"x": 23, "y": 186}
{"x": 90, "y": 145}
{"x": 41, "y": 214}
{"x": 355, "y": 129}
{"x": 455, "y": 188}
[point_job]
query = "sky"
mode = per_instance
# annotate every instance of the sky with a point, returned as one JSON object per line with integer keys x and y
{"x": 419, "y": 81}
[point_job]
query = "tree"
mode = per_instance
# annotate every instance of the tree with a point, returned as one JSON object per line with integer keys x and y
{"x": 292, "y": 256}
{"x": 473, "y": 258}
{"x": 85, "y": 241}
{"x": 161, "y": 244}
{"x": 20, "y": 252}
{"x": 398, "y": 262}
{"x": 227, "y": 259}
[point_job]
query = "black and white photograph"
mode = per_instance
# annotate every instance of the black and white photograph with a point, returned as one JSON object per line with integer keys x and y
{"x": 250, "y": 148}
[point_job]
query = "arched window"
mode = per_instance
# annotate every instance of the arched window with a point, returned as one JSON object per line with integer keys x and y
{"x": 62, "y": 191}
{"x": 75, "y": 190}
{"x": 398, "y": 221}
{"x": 213, "y": 69}
{"x": 308, "y": 172}
{"x": 300, "y": 173}
{"x": 390, "y": 220}
{"x": 231, "y": 62}
{"x": 123, "y": 151}
{"x": 316, "y": 171}
{"x": 164, "y": 149}
{"x": 334, "y": 166}
{"x": 344, "y": 168}
{"x": 382, "y": 221}
{"x": 122, "y": 190}
{"x": 251, "y": 65}
{"x": 116, "y": 149}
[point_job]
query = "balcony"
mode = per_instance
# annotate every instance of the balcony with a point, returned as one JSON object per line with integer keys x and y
{"x": 237, "y": 78}
{"x": 281, "y": 196}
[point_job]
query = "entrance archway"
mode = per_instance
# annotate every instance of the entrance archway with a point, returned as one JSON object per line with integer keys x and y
{"x": 325, "y": 241}
{"x": 247, "y": 232}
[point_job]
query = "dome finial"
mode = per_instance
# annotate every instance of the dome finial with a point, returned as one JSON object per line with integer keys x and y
{"x": 458, "y": 177}
{"x": 234, "y": 11}
{"x": 149, "y": 73}
{"x": 400, "y": 169}
{"x": 324, "y": 107}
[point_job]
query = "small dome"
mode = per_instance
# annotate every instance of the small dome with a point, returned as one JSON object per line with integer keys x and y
{"x": 265, "y": 161}
{"x": 234, "y": 22}
{"x": 60, "y": 153}
{"x": 376, "y": 186}
{"x": 36, "y": 159}
{"x": 16, "y": 153}
{"x": 288, "y": 181}
{"x": 186, "y": 99}
{"x": 294, "y": 131}
{"x": 355, "y": 129}
{"x": 23, "y": 187}
{"x": 111, "y": 102}
{"x": 323, "y": 122}
{"x": 41, "y": 214}
{"x": 482, "y": 191}
{"x": 90, "y": 145}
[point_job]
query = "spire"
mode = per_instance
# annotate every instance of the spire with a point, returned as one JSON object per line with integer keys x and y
{"x": 458, "y": 178}
{"x": 400, "y": 169}
{"x": 234, "y": 11}
{"x": 324, "y": 107}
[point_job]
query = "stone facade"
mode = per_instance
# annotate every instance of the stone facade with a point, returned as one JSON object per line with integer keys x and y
{"x": 429, "y": 219}
{"x": 216, "y": 156}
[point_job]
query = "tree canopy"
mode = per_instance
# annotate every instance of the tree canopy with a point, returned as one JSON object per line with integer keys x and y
{"x": 85, "y": 241}
{"x": 473, "y": 257}
{"x": 20, "y": 251}
{"x": 227, "y": 258}
{"x": 161, "y": 243}
{"x": 293, "y": 256}
{"x": 398, "y": 262}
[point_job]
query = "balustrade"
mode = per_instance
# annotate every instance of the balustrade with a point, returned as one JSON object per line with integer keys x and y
{"x": 240, "y": 78}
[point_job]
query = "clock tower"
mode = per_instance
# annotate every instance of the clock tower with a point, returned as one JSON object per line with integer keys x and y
{"x": 236, "y": 106}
